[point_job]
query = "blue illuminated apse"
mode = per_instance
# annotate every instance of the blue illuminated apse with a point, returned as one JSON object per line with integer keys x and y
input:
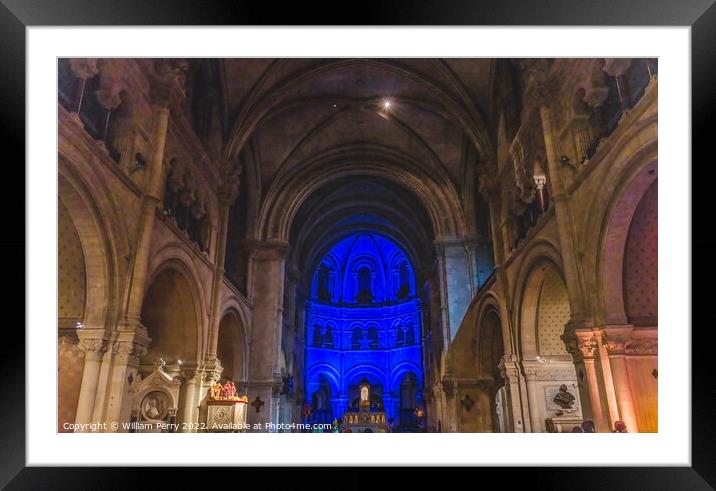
{"x": 363, "y": 323}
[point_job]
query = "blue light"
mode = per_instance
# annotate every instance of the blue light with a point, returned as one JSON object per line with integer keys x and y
{"x": 363, "y": 323}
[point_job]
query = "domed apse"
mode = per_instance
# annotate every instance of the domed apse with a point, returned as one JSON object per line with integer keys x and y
{"x": 366, "y": 276}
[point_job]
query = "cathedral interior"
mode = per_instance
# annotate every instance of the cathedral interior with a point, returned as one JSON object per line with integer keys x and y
{"x": 360, "y": 245}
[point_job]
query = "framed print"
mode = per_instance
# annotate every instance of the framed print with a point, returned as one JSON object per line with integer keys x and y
{"x": 446, "y": 235}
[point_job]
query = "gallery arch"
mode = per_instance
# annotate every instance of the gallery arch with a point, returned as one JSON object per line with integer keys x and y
{"x": 547, "y": 365}
{"x": 72, "y": 283}
{"x": 170, "y": 315}
{"x": 630, "y": 266}
{"x": 231, "y": 348}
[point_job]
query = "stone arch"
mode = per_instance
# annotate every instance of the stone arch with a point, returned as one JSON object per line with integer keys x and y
{"x": 291, "y": 188}
{"x": 172, "y": 303}
{"x": 490, "y": 345}
{"x": 87, "y": 266}
{"x": 402, "y": 369}
{"x": 72, "y": 279}
{"x": 540, "y": 253}
{"x": 174, "y": 253}
{"x": 543, "y": 311}
{"x": 232, "y": 347}
{"x": 329, "y": 372}
{"x": 606, "y": 221}
{"x": 96, "y": 255}
{"x": 614, "y": 253}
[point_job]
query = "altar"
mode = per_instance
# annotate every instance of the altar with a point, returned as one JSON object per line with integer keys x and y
{"x": 226, "y": 410}
{"x": 369, "y": 418}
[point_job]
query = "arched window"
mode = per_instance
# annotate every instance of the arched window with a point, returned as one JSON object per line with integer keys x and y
{"x": 409, "y": 334}
{"x": 328, "y": 337}
{"x": 357, "y": 337}
{"x": 400, "y": 336}
{"x": 317, "y": 336}
{"x": 365, "y": 290}
{"x": 373, "y": 337}
{"x": 323, "y": 292}
{"x": 404, "y": 275}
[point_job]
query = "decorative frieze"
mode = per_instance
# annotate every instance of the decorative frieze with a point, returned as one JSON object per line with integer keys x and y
{"x": 644, "y": 346}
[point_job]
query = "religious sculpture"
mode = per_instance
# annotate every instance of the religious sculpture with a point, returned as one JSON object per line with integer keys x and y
{"x": 216, "y": 391}
{"x": 225, "y": 392}
{"x": 364, "y": 393}
{"x": 564, "y": 398}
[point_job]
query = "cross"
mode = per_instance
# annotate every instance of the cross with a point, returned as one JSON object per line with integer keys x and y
{"x": 257, "y": 404}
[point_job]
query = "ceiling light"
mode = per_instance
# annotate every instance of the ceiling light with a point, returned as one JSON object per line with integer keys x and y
{"x": 386, "y": 104}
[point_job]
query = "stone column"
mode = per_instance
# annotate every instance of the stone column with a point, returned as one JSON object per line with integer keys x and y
{"x": 264, "y": 372}
{"x": 492, "y": 197}
{"x": 191, "y": 383}
{"x": 127, "y": 349}
{"x": 614, "y": 341}
{"x": 94, "y": 348}
{"x": 510, "y": 372}
{"x": 533, "y": 398}
{"x": 228, "y": 193}
{"x": 565, "y": 223}
{"x": 584, "y": 348}
{"x": 166, "y": 92}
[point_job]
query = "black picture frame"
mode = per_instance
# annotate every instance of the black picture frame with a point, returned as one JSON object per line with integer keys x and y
{"x": 16, "y": 15}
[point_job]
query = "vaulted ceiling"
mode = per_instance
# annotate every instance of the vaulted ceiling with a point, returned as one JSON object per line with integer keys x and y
{"x": 287, "y": 111}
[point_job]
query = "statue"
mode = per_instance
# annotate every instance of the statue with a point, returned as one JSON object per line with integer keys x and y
{"x": 364, "y": 393}
{"x": 216, "y": 390}
{"x": 564, "y": 399}
{"x": 229, "y": 390}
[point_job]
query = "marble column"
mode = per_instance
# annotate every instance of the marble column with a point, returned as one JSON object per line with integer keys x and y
{"x": 127, "y": 349}
{"x": 94, "y": 349}
{"x": 584, "y": 348}
{"x": 614, "y": 341}
{"x": 533, "y": 399}
{"x": 191, "y": 383}
{"x": 510, "y": 372}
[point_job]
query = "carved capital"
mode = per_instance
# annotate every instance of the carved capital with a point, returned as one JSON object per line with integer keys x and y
{"x": 530, "y": 373}
{"x": 212, "y": 376}
{"x": 581, "y": 345}
{"x": 616, "y": 67}
{"x": 94, "y": 348}
{"x": 128, "y": 351}
{"x": 614, "y": 343}
{"x": 111, "y": 84}
{"x": 507, "y": 369}
{"x": 191, "y": 375}
{"x": 168, "y": 79}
